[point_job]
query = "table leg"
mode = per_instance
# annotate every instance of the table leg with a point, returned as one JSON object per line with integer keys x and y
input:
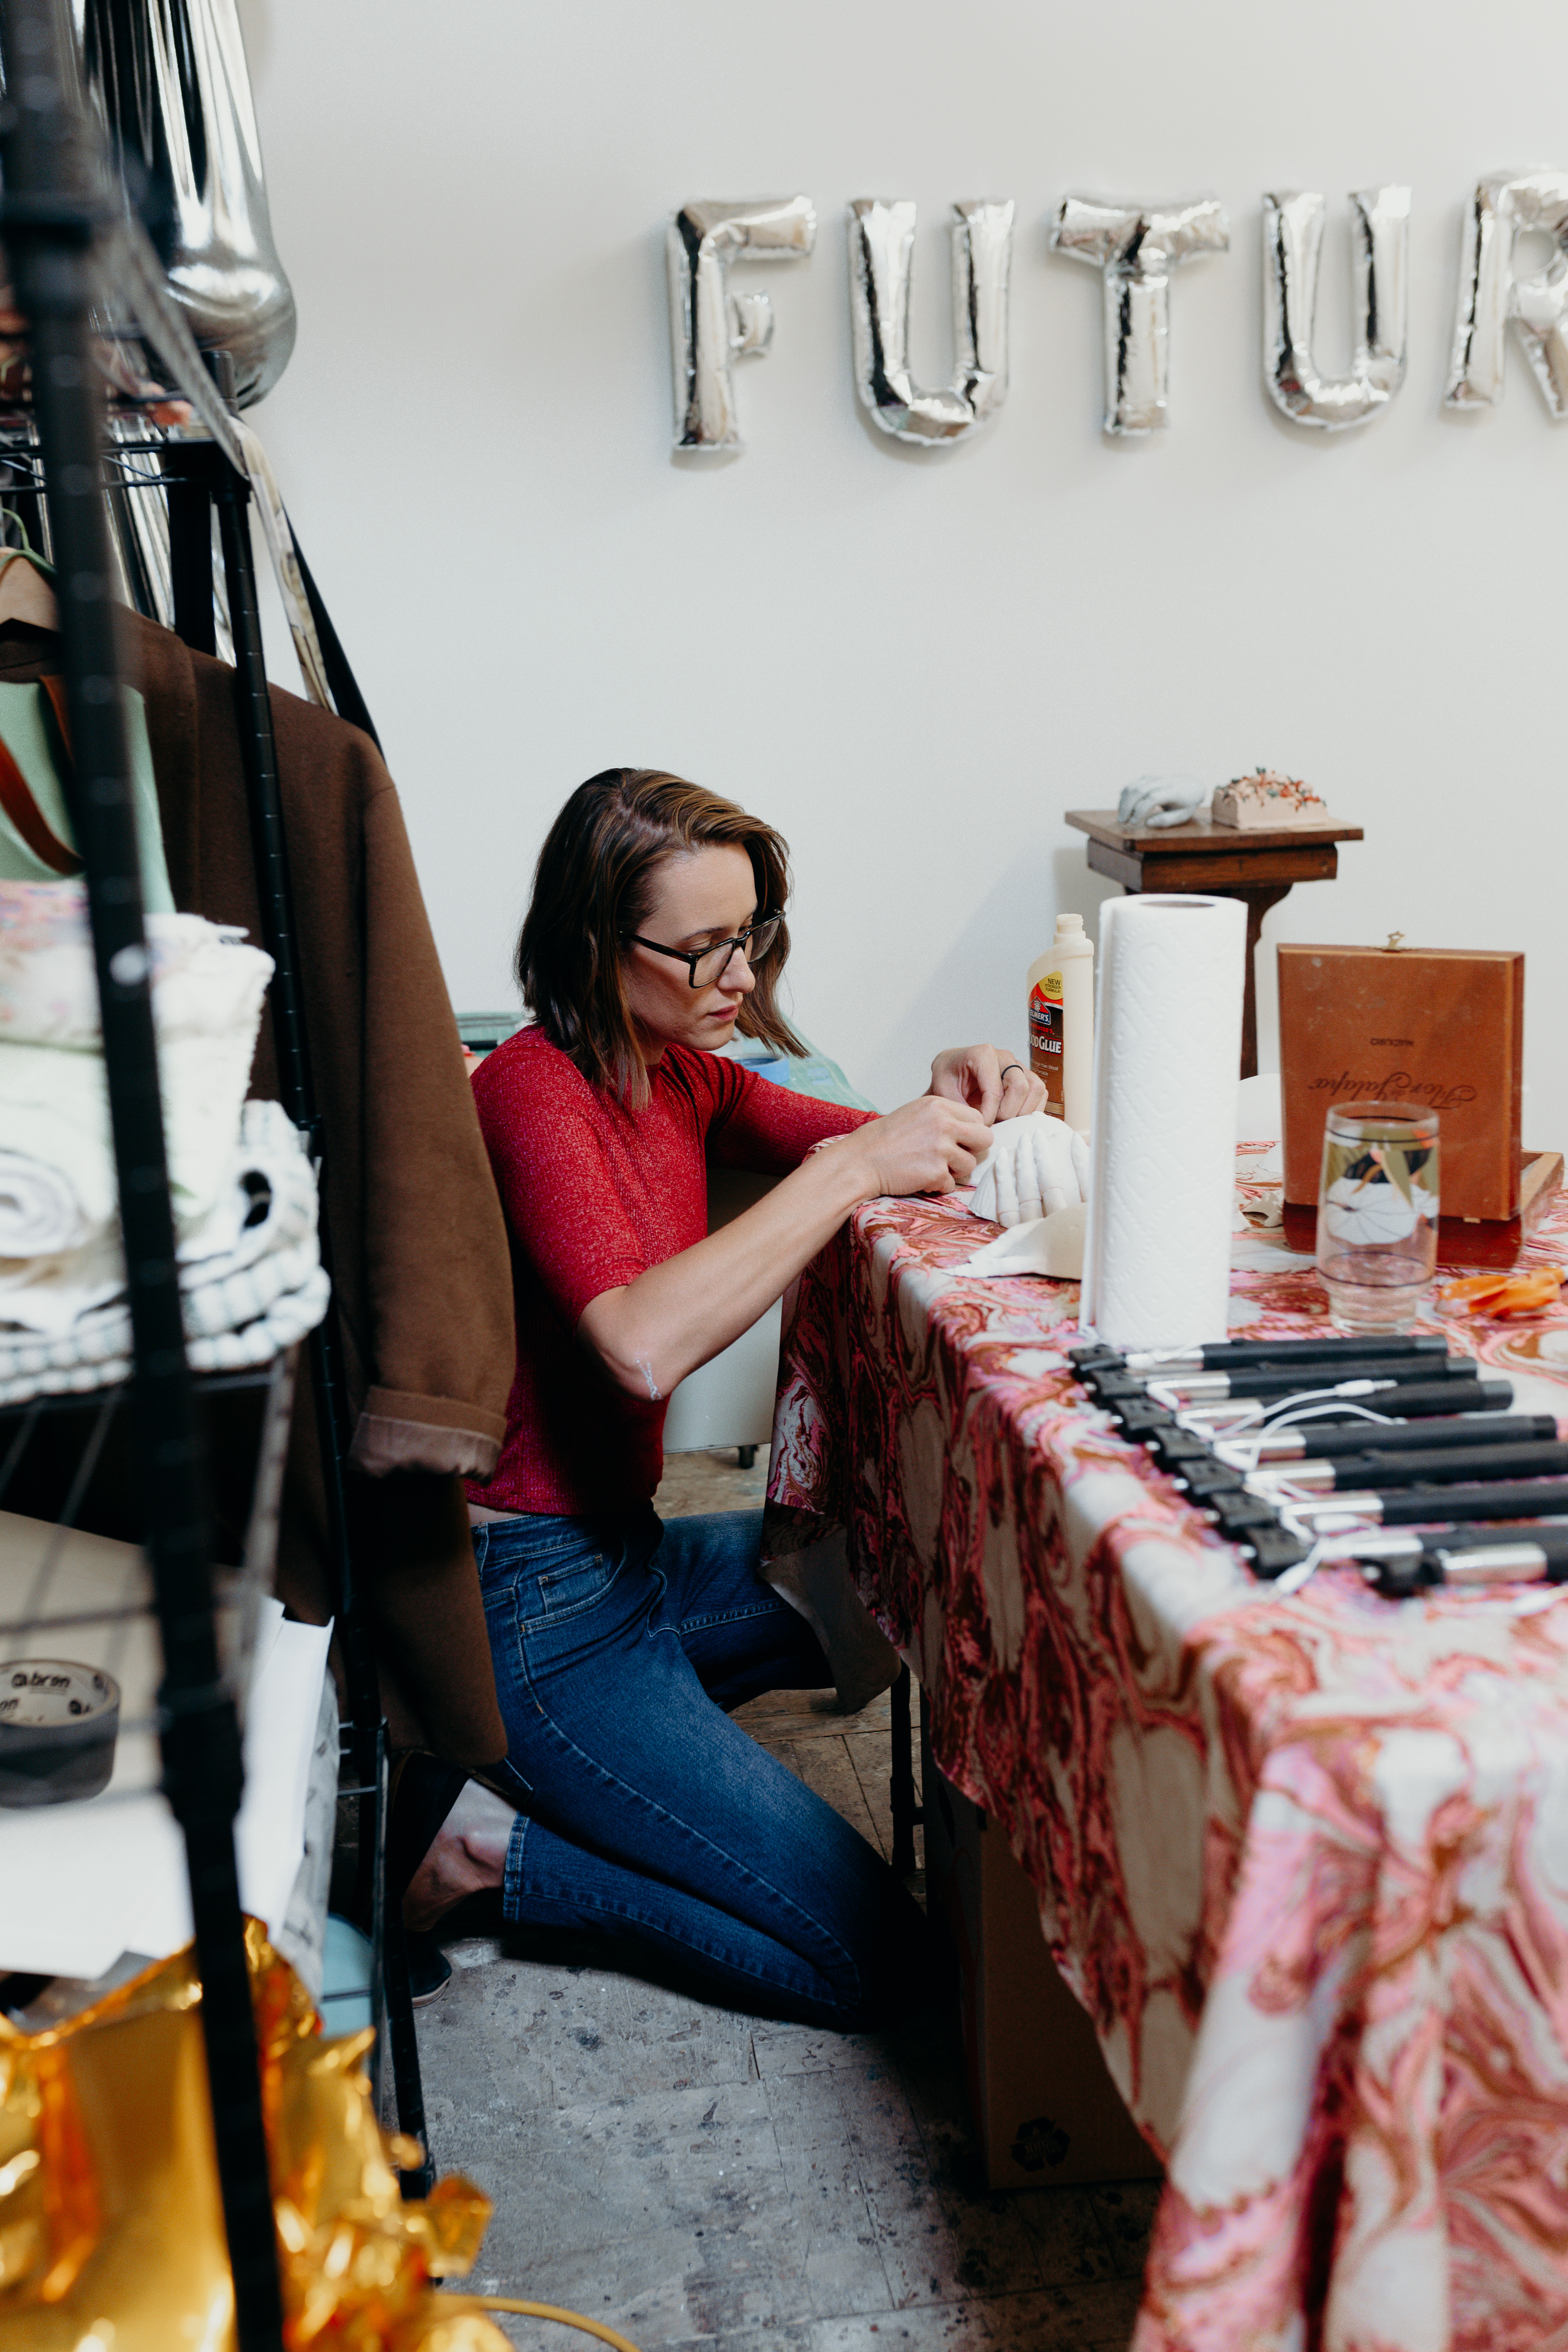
{"x": 1259, "y": 897}
{"x": 905, "y": 1812}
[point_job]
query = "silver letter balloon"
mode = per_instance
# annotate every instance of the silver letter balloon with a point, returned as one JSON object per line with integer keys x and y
{"x": 1292, "y": 241}
{"x": 709, "y": 326}
{"x": 881, "y": 255}
{"x": 1492, "y": 296}
{"x": 1137, "y": 246}
{"x": 171, "y": 84}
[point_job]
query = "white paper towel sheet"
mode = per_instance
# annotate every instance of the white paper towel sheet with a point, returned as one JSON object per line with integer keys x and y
{"x": 1167, "y": 1050}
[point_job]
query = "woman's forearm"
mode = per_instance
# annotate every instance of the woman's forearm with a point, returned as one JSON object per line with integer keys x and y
{"x": 651, "y": 1332}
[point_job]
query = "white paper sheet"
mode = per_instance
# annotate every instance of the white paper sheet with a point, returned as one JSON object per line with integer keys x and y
{"x": 269, "y": 1833}
{"x": 1050, "y": 1245}
{"x": 87, "y": 1881}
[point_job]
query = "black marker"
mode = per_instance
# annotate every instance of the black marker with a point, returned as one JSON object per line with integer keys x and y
{"x": 1438, "y": 1465}
{"x": 1464, "y": 1558}
{"x": 1315, "y": 1439}
{"x": 1379, "y": 1372}
{"x": 1526, "y": 1500}
{"x": 1225, "y": 1353}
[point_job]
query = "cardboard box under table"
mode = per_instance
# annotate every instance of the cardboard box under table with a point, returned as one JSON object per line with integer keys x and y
{"x": 1045, "y": 2108}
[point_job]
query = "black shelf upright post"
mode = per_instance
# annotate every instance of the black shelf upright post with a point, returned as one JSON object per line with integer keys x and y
{"x": 54, "y": 204}
{"x": 231, "y": 496}
{"x": 200, "y": 478}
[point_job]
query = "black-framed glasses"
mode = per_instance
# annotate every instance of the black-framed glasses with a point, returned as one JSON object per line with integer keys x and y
{"x": 706, "y": 966}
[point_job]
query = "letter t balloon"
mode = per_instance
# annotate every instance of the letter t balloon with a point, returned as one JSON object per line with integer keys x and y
{"x": 1136, "y": 247}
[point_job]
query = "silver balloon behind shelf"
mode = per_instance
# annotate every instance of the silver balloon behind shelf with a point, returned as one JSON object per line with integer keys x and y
{"x": 1136, "y": 247}
{"x": 709, "y": 326}
{"x": 170, "y": 81}
{"x": 1292, "y": 241}
{"x": 881, "y": 257}
{"x": 1492, "y": 299}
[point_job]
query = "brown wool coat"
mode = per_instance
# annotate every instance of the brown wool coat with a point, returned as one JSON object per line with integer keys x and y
{"x": 420, "y": 1264}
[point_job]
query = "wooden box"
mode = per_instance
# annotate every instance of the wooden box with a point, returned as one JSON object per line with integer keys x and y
{"x": 1045, "y": 2108}
{"x": 1443, "y": 1027}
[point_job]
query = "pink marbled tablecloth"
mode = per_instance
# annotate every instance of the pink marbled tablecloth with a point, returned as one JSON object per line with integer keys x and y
{"x": 1304, "y": 1860}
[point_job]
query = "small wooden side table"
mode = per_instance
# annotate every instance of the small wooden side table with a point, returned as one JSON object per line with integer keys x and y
{"x": 1222, "y": 860}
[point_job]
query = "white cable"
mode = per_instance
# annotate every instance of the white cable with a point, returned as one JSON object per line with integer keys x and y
{"x": 1223, "y": 1412}
{"x": 1321, "y": 1412}
{"x": 1293, "y": 1578}
{"x": 1283, "y": 1489}
{"x": 1289, "y": 1406}
{"x": 1244, "y": 1453}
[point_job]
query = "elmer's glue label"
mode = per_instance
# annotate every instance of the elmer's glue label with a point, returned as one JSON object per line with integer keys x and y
{"x": 1061, "y": 1023}
{"x": 1046, "y": 1037}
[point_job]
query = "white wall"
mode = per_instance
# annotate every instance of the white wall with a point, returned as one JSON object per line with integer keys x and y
{"x": 913, "y": 662}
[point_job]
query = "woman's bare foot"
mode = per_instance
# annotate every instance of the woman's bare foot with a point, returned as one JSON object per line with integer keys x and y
{"x": 468, "y": 1855}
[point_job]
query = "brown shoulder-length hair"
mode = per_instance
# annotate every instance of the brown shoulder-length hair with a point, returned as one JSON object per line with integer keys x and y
{"x": 593, "y": 887}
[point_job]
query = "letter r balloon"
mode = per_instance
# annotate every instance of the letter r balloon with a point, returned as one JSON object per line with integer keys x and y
{"x": 709, "y": 326}
{"x": 1491, "y": 298}
{"x": 1136, "y": 247}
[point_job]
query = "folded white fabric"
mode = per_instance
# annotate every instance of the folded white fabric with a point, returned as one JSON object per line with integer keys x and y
{"x": 99, "y": 1355}
{"x": 54, "y": 1111}
{"x": 49, "y": 989}
{"x": 267, "y": 1204}
{"x": 207, "y": 992}
{"x": 39, "y": 1211}
{"x": 251, "y": 1280}
{"x": 1051, "y": 1246}
{"x": 1034, "y": 1164}
{"x": 53, "y": 1295}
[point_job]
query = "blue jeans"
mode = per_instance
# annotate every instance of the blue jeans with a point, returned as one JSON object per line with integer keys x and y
{"x": 646, "y": 1815}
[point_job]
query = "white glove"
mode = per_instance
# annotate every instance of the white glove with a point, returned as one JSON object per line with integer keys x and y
{"x": 1035, "y": 1165}
{"x": 1160, "y": 800}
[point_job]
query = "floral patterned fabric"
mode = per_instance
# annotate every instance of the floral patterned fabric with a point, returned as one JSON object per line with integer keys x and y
{"x": 1303, "y": 1859}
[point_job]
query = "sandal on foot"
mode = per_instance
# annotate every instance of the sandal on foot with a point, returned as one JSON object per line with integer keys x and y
{"x": 429, "y": 1969}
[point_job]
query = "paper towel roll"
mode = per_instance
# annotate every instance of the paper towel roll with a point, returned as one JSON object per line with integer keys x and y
{"x": 1173, "y": 974}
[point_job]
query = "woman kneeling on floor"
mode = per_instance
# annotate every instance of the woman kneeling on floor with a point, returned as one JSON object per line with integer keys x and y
{"x": 634, "y": 1806}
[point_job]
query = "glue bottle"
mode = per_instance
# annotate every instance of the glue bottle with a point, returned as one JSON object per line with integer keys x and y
{"x": 1061, "y": 1023}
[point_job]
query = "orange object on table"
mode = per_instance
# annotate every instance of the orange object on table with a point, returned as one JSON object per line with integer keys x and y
{"x": 1506, "y": 1294}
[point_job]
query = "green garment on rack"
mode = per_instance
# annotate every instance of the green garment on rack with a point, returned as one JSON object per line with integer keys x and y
{"x": 27, "y": 725}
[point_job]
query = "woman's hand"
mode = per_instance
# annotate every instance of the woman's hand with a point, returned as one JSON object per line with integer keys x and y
{"x": 988, "y": 1078}
{"x": 928, "y": 1146}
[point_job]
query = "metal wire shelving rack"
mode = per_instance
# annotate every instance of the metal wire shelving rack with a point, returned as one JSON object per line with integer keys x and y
{"x": 68, "y": 460}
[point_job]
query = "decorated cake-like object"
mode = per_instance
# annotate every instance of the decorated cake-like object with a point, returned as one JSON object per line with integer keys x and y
{"x": 1263, "y": 802}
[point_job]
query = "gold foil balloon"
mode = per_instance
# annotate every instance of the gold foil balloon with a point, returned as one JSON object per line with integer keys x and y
{"x": 112, "y": 2234}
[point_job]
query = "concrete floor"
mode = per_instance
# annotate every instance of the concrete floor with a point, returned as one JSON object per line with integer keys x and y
{"x": 705, "y": 2182}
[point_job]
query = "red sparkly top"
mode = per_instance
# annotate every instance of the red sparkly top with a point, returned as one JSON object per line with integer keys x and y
{"x": 594, "y": 1194}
